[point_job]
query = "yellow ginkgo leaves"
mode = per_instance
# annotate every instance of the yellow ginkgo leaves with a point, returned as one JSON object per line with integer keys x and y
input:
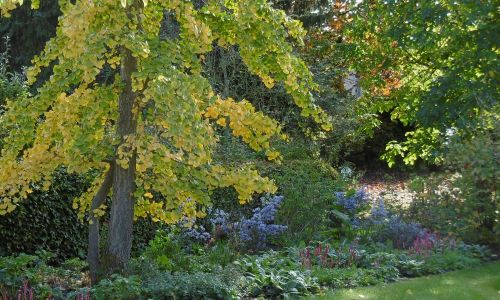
{"x": 255, "y": 128}
{"x": 72, "y": 120}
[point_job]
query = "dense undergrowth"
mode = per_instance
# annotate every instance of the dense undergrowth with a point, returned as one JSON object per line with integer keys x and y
{"x": 226, "y": 259}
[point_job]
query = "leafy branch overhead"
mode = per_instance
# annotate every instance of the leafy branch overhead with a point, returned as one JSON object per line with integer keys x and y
{"x": 432, "y": 65}
{"x": 72, "y": 119}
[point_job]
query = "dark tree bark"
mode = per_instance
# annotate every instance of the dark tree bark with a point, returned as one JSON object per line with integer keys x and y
{"x": 119, "y": 241}
{"x": 93, "y": 255}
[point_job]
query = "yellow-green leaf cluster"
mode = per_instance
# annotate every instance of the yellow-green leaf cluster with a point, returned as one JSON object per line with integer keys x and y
{"x": 72, "y": 118}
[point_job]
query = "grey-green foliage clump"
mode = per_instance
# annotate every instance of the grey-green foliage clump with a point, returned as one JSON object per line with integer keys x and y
{"x": 12, "y": 84}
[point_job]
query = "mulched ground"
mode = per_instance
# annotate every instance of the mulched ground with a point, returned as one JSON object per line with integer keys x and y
{"x": 393, "y": 187}
{"x": 378, "y": 183}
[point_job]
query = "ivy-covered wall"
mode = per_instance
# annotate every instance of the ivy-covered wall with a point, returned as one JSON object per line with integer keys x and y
{"x": 46, "y": 221}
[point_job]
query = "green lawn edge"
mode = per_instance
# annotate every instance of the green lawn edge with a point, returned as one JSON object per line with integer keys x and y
{"x": 478, "y": 283}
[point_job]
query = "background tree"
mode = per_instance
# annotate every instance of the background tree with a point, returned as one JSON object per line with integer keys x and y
{"x": 29, "y": 30}
{"x": 149, "y": 132}
{"x": 430, "y": 64}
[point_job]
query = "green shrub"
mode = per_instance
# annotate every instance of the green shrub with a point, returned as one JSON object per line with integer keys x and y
{"x": 155, "y": 283}
{"x": 448, "y": 203}
{"x": 398, "y": 261}
{"x": 477, "y": 161}
{"x": 305, "y": 180}
{"x": 274, "y": 274}
{"x": 182, "y": 285}
{"x": 144, "y": 231}
{"x": 464, "y": 199}
{"x": 481, "y": 252}
{"x": 167, "y": 252}
{"x": 339, "y": 278}
{"x": 31, "y": 271}
{"x": 434, "y": 262}
{"x": 143, "y": 279}
{"x": 202, "y": 286}
{"x": 308, "y": 185}
{"x": 14, "y": 270}
{"x": 118, "y": 287}
{"x": 447, "y": 261}
{"x": 46, "y": 221}
{"x": 221, "y": 254}
{"x": 11, "y": 85}
{"x": 436, "y": 202}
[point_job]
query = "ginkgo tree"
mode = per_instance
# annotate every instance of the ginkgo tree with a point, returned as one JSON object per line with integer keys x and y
{"x": 151, "y": 131}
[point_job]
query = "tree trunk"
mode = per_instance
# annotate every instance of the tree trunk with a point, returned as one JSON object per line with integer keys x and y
{"x": 93, "y": 247}
{"x": 119, "y": 242}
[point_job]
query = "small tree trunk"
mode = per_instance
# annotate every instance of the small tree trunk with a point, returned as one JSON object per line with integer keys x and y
{"x": 119, "y": 242}
{"x": 93, "y": 247}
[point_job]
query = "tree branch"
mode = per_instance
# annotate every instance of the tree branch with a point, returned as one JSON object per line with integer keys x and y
{"x": 93, "y": 256}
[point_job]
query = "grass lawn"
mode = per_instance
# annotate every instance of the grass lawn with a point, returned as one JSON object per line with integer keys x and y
{"x": 473, "y": 284}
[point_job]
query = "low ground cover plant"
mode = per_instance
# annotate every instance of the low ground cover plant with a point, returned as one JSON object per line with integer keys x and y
{"x": 232, "y": 258}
